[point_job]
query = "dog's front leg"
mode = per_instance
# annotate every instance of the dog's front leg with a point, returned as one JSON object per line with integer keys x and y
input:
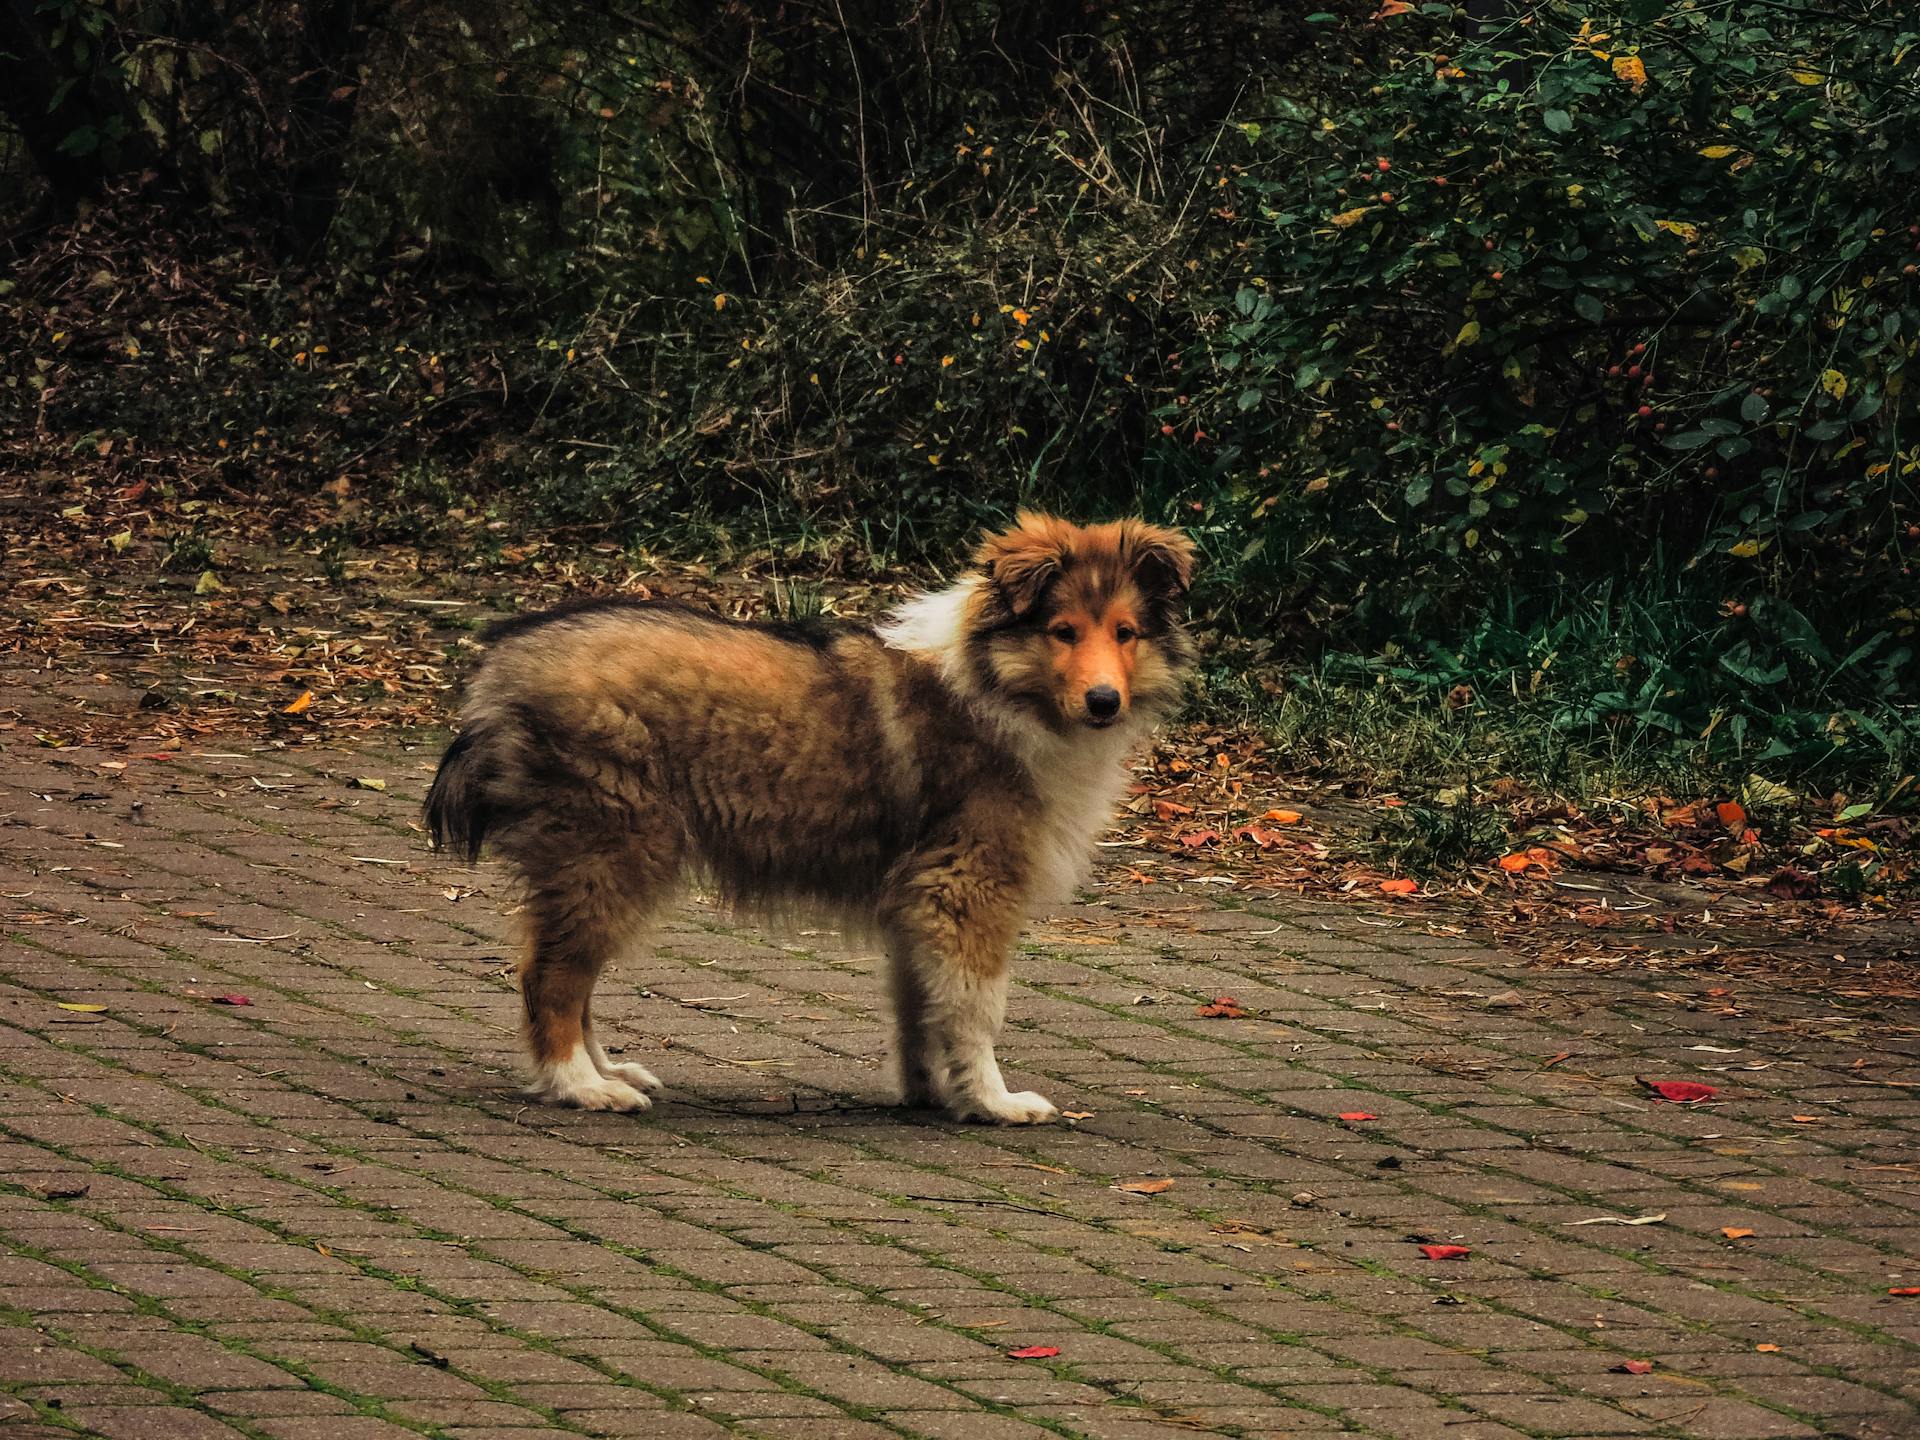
{"x": 915, "y": 1059}
{"x": 953, "y": 922}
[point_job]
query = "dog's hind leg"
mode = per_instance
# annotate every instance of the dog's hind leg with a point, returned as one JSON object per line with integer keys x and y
{"x": 578, "y": 914}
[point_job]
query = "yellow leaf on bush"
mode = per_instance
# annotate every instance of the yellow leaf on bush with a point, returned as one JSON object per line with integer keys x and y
{"x": 1809, "y": 77}
{"x": 1631, "y": 69}
{"x": 1685, "y": 231}
{"x": 1718, "y": 152}
{"x": 1834, "y": 383}
{"x": 1746, "y": 549}
{"x": 1349, "y": 217}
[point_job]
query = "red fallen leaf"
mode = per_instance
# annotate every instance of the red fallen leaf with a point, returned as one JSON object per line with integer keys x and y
{"x": 230, "y": 1000}
{"x": 1679, "y": 1092}
{"x": 1445, "y": 1252}
{"x": 1399, "y": 887}
{"x": 1905, "y": 1290}
{"x": 133, "y": 491}
{"x": 1791, "y": 884}
{"x": 1266, "y": 839}
{"x": 1354, "y": 1116}
{"x": 1732, "y": 814}
{"x": 1282, "y": 817}
{"x": 1634, "y": 1367}
{"x": 1392, "y": 802}
{"x": 1223, "y": 1007}
{"x": 1736, "y": 1232}
{"x": 1193, "y": 839}
{"x": 1034, "y": 1352}
{"x": 1167, "y": 809}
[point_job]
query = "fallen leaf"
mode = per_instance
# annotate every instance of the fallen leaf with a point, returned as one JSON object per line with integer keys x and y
{"x": 1399, "y": 887}
{"x": 1634, "y": 1367}
{"x": 1282, "y": 817}
{"x": 1144, "y": 1187}
{"x": 1349, "y": 217}
{"x": 1034, "y": 1352}
{"x": 1168, "y": 809}
{"x": 300, "y": 706}
{"x": 1804, "y": 1119}
{"x": 365, "y": 782}
{"x": 1621, "y": 1220}
{"x": 1195, "y": 838}
{"x": 1445, "y": 1252}
{"x": 1765, "y": 1349}
{"x": 1353, "y": 1117}
{"x": 1734, "y": 1232}
{"x": 83, "y": 1009}
{"x": 1905, "y": 1290}
{"x": 1224, "y": 1007}
{"x": 64, "y": 1189}
{"x": 1679, "y": 1092}
{"x": 230, "y": 1000}
{"x": 1732, "y": 814}
{"x": 1076, "y": 1114}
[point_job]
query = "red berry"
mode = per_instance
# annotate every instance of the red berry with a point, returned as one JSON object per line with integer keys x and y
{"x": 1738, "y": 611}
{"x": 1384, "y": 163}
{"x": 1386, "y": 197}
{"x": 1166, "y": 429}
{"x": 1198, "y": 436}
{"x": 1647, "y": 379}
{"x": 1393, "y": 424}
{"x": 1645, "y": 411}
{"x": 899, "y": 359}
{"x": 1640, "y": 349}
{"x": 1734, "y": 346}
{"x": 1633, "y": 371}
{"x": 1486, "y": 244}
{"x": 1660, "y": 427}
{"x": 1712, "y": 472}
{"x": 1613, "y": 371}
{"x": 1440, "y": 180}
{"x": 1499, "y": 274}
{"x": 1913, "y": 532}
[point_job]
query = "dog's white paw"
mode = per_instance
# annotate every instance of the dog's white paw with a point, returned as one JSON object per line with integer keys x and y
{"x": 576, "y": 1081}
{"x": 1027, "y": 1107}
{"x": 599, "y": 1093}
{"x": 637, "y": 1076}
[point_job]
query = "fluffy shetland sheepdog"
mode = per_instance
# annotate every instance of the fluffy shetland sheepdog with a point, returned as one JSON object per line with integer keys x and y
{"x": 931, "y": 782}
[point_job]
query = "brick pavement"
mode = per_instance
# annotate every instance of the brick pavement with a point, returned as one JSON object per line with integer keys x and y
{"x": 327, "y": 1215}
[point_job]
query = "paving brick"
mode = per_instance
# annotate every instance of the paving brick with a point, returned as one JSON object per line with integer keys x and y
{"x": 341, "y": 1181}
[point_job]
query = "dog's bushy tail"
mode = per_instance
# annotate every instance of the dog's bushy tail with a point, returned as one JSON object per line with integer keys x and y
{"x": 459, "y": 808}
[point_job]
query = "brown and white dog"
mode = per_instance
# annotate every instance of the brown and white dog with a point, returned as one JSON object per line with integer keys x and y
{"x": 932, "y": 782}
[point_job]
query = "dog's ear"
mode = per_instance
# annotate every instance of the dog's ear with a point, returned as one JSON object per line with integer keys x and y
{"x": 1161, "y": 559}
{"x": 1023, "y": 561}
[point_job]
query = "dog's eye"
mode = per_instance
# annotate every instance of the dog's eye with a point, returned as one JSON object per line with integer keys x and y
{"x": 1065, "y": 634}
{"x": 1124, "y": 633}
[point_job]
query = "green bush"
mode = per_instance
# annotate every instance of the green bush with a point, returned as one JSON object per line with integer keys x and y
{"x": 1532, "y": 302}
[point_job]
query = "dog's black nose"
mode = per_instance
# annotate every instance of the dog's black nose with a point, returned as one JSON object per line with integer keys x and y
{"x": 1103, "y": 702}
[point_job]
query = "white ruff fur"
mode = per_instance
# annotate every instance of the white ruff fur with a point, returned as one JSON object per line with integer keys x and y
{"x": 1079, "y": 777}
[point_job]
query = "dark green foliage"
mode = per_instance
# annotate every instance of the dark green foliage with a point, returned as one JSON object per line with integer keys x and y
{"x": 855, "y": 280}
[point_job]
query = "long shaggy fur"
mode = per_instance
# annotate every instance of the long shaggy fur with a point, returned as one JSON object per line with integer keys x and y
{"x": 932, "y": 781}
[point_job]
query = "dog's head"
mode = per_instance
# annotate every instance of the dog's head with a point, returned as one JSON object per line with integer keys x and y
{"x": 1083, "y": 623}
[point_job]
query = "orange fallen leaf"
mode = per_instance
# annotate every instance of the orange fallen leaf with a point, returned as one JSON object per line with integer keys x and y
{"x": 1034, "y": 1352}
{"x": 299, "y": 706}
{"x": 1193, "y": 839}
{"x": 1634, "y": 1367}
{"x": 1734, "y": 1232}
{"x": 1354, "y": 1116}
{"x": 1076, "y": 1114}
{"x": 1905, "y": 1290}
{"x": 1805, "y": 1119}
{"x": 1223, "y": 1007}
{"x": 1144, "y": 1187}
{"x": 1399, "y": 887}
{"x": 1445, "y": 1252}
{"x": 1732, "y": 814}
{"x": 1282, "y": 817}
{"x": 1765, "y": 1349}
{"x": 1167, "y": 809}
